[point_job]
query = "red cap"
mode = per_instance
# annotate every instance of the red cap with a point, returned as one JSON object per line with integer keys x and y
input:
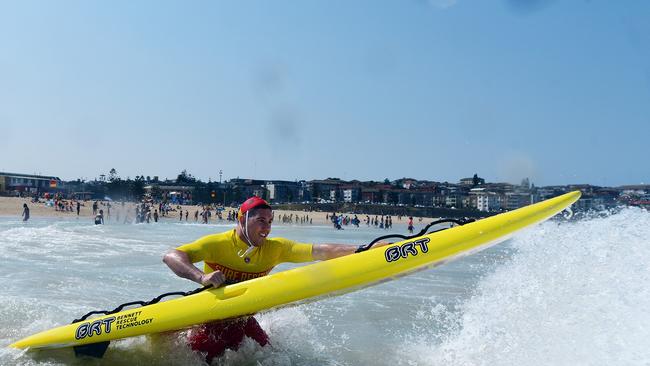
{"x": 251, "y": 203}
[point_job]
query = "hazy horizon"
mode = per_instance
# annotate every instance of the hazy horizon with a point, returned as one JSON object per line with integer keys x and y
{"x": 211, "y": 179}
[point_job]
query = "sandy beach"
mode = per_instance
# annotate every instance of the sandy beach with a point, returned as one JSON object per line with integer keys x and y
{"x": 13, "y": 206}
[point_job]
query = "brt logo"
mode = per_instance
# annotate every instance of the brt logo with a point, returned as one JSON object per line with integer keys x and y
{"x": 402, "y": 251}
{"x": 89, "y": 329}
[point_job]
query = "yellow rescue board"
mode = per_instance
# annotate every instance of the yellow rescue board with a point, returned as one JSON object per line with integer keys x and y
{"x": 302, "y": 284}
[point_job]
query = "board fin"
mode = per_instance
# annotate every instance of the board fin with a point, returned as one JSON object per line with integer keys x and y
{"x": 95, "y": 350}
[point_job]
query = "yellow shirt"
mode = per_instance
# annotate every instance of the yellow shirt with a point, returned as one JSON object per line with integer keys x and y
{"x": 221, "y": 252}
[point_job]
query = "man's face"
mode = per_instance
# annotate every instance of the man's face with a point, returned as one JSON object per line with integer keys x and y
{"x": 259, "y": 225}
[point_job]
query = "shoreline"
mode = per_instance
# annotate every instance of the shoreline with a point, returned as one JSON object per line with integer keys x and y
{"x": 13, "y": 207}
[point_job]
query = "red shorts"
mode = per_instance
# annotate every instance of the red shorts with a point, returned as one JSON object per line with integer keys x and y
{"x": 214, "y": 338}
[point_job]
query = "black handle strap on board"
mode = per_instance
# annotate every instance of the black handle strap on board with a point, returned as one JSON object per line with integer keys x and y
{"x": 141, "y": 303}
{"x": 97, "y": 350}
{"x": 424, "y": 231}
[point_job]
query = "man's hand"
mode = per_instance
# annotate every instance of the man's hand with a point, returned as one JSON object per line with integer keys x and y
{"x": 215, "y": 279}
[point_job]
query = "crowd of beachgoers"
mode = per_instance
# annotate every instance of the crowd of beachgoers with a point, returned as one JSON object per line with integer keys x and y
{"x": 151, "y": 211}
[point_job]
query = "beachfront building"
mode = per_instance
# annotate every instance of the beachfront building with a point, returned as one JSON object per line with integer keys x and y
{"x": 370, "y": 195}
{"x": 351, "y": 194}
{"x": 484, "y": 200}
{"x": 425, "y": 197}
{"x": 597, "y": 198}
{"x": 321, "y": 190}
{"x": 241, "y": 189}
{"x": 501, "y": 188}
{"x": 442, "y": 191}
{"x": 489, "y": 201}
{"x": 455, "y": 200}
{"x": 174, "y": 194}
{"x": 451, "y": 196}
{"x": 404, "y": 198}
{"x": 473, "y": 181}
{"x": 304, "y": 193}
{"x": 18, "y": 184}
{"x": 515, "y": 200}
{"x": 390, "y": 196}
{"x": 280, "y": 191}
{"x": 406, "y": 183}
{"x": 336, "y": 195}
{"x": 589, "y": 202}
{"x": 544, "y": 193}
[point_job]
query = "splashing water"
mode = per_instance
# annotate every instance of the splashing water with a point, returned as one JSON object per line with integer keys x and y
{"x": 560, "y": 293}
{"x": 575, "y": 293}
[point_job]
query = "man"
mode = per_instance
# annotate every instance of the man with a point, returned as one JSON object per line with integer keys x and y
{"x": 238, "y": 255}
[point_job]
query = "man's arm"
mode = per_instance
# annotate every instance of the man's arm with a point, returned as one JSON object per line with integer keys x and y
{"x": 323, "y": 252}
{"x": 179, "y": 262}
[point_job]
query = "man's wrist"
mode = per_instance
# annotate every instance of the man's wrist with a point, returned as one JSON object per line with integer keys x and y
{"x": 198, "y": 277}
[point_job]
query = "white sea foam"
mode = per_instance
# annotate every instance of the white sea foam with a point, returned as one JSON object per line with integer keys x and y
{"x": 575, "y": 293}
{"x": 560, "y": 293}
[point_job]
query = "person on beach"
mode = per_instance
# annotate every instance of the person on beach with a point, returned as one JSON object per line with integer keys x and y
{"x": 25, "y": 214}
{"x": 410, "y": 225}
{"x": 236, "y": 255}
{"x": 99, "y": 219}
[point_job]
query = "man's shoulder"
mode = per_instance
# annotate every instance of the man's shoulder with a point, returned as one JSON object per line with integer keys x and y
{"x": 282, "y": 241}
{"x": 207, "y": 241}
{"x": 217, "y": 237}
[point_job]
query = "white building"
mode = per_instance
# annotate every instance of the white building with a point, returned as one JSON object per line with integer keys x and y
{"x": 351, "y": 195}
{"x": 486, "y": 201}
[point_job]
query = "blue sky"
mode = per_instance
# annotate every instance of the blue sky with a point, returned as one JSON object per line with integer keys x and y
{"x": 557, "y": 91}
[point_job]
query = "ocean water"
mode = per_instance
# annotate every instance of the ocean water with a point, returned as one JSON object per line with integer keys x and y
{"x": 561, "y": 293}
